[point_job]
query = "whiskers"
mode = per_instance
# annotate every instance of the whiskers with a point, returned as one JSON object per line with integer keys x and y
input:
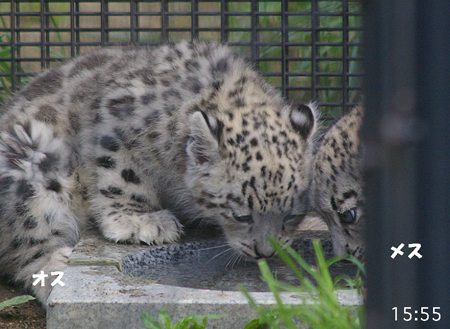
{"x": 222, "y": 253}
{"x": 233, "y": 259}
{"x": 215, "y": 247}
{"x": 229, "y": 256}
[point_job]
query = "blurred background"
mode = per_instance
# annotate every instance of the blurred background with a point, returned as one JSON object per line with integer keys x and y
{"x": 311, "y": 50}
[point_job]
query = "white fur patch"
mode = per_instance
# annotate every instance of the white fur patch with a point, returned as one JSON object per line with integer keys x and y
{"x": 152, "y": 228}
{"x": 22, "y": 135}
{"x": 299, "y": 118}
{"x": 212, "y": 122}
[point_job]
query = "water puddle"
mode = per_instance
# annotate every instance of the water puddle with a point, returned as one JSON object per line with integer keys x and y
{"x": 209, "y": 265}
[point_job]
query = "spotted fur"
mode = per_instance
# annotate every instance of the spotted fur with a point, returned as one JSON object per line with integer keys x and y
{"x": 336, "y": 189}
{"x": 144, "y": 142}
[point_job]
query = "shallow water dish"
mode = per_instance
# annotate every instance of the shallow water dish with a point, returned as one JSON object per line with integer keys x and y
{"x": 108, "y": 285}
{"x": 212, "y": 265}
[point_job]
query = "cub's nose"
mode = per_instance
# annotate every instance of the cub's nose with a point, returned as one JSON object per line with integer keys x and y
{"x": 265, "y": 253}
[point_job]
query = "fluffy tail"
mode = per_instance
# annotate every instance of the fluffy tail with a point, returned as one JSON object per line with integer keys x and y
{"x": 37, "y": 226}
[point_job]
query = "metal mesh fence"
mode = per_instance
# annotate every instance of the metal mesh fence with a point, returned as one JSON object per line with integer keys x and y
{"x": 311, "y": 50}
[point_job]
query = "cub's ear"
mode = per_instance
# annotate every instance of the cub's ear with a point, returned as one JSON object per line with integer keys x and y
{"x": 203, "y": 140}
{"x": 304, "y": 119}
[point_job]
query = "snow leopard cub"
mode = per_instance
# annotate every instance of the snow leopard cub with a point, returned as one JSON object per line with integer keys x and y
{"x": 145, "y": 141}
{"x": 336, "y": 188}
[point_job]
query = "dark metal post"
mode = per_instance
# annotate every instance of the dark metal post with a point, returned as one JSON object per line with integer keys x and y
{"x": 133, "y": 22}
{"x": 345, "y": 55}
{"x": 391, "y": 173}
{"x": 164, "y": 19}
{"x": 72, "y": 28}
{"x": 255, "y": 36}
{"x": 14, "y": 65}
{"x": 407, "y": 135}
{"x": 433, "y": 90}
{"x": 314, "y": 49}
{"x": 194, "y": 20}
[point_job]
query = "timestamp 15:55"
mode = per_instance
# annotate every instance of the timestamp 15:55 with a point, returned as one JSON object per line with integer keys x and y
{"x": 424, "y": 314}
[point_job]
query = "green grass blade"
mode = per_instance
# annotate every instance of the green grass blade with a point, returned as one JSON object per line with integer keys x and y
{"x": 15, "y": 301}
{"x": 322, "y": 265}
{"x": 254, "y": 324}
{"x": 5, "y": 52}
{"x": 192, "y": 319}
{"x": 150, "y": 322}
{"x": 283, "y": 309}
{"x": 165, "y": 319}
{"x": 303, "y": 264}
{"x": 285, "y": 258}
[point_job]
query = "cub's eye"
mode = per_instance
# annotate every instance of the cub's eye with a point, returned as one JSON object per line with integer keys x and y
{"x": 290, "y": 222}
{"x": 243, "y": 219}
{"x": 288, "y": 218}
{"x": 348, "y": 217}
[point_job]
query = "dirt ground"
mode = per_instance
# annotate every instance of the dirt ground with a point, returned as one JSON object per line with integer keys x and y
{"x": 30, "y": 315}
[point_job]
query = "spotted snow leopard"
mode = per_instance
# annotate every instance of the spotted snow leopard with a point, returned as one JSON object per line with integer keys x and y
{"x": 336, "y": 188}
{"x": 144, "y": 141}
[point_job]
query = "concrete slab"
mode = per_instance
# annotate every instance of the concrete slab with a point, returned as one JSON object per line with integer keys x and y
{"x": 97, "y": 294}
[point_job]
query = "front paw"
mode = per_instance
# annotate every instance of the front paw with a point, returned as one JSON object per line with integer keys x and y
{"x": 152, "y": 228}
{"x": 56, "y": 263}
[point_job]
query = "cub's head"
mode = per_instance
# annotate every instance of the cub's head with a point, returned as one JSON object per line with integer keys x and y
{"x": 249, "y": 170}
{"x": 336, "y": 188}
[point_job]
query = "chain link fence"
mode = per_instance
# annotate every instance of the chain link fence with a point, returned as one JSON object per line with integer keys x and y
{"x": 311, "y": 50}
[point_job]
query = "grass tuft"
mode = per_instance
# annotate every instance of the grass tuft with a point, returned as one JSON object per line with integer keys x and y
{"x": 165, "y": 322}
{"x": 321, "y": 308}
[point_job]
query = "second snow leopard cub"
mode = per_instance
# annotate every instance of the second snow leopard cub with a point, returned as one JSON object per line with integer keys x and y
{"x": 144, "y": 141}
{"x": 337, "y": 185}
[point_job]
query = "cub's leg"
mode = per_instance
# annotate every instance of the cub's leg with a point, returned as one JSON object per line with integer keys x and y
{"x": 124, "y": 202}
{"x": 37, "y": 226}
